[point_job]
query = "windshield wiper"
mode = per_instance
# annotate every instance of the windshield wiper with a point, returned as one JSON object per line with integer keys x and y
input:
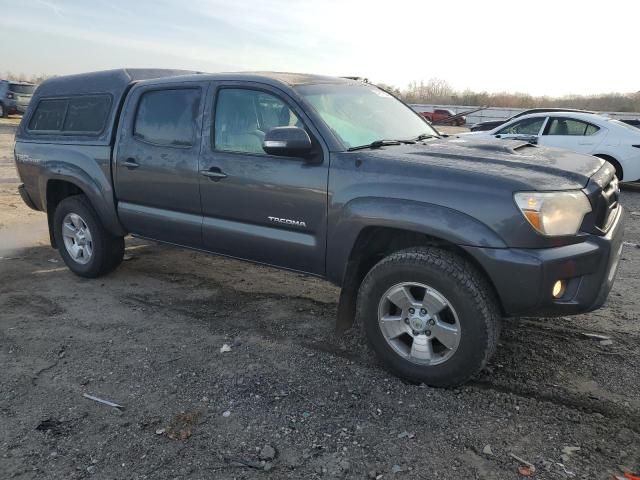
{"x": 380, "y": 143}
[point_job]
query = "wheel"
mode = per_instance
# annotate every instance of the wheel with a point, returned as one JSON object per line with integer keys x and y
{"x": 615, "y": 164}
{"x": 3, "y": 111}
{"x": 429, "y": 316}
{"x": 84, "y": 244}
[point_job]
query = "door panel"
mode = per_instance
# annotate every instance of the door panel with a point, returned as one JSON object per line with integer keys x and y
{"x": 263, "y": 208}
{"x": 156, "y": 174}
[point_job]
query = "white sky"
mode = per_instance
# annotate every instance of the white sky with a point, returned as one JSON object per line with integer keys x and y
{"x": 542, "y": 47}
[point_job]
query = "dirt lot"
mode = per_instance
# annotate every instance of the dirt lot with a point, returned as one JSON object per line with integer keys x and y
{"x": 290, "y": 400}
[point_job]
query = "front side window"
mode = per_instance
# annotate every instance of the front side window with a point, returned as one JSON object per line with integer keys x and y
{"x": 528, "y": 126}
{"x": 568, "y": 126}
{"x": 168, "y": 117}
{"x": 360, "y": 114}
{"x": 243, "y": 117}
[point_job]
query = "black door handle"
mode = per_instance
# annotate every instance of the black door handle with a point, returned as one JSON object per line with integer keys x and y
{"x": 214, "y": 173}
{"x": 130, "y": 163}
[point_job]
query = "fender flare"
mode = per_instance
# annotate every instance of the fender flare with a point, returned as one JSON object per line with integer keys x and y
{"x": 429, "y": 219}
{"x": 101, "y": 200}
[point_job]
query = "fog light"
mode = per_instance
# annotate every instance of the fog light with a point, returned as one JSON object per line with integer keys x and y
{"x": 558, "y": 289}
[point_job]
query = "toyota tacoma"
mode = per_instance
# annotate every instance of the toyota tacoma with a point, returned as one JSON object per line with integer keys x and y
{"x": 431, "y": 239}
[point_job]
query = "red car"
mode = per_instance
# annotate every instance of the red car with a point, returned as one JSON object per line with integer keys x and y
{"x": 441, "y": 116}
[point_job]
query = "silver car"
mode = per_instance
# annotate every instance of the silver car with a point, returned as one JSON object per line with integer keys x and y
{"x": 14, "y": 97}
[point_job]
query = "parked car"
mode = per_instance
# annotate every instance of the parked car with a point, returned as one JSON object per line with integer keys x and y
{"x": 588, "y": 133}
{"x": 491, "y": 124}
{"x": 14, "y": 97}
{"x": 444, "y": 116}
{"x": 432, "y": 240}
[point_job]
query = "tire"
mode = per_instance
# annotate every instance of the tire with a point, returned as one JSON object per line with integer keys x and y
{"x": 103, "y": 252}
{"x": 3, "y": 111}
{"x": 470, "y": 307}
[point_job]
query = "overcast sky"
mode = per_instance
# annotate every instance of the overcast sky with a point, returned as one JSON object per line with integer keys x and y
{"x": 543, "y": 47}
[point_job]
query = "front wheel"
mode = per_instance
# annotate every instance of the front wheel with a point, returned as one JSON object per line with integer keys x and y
{"x": 3, "y": 111}
{"x": 87, "y": 248}
{"x": 429, "y": 316}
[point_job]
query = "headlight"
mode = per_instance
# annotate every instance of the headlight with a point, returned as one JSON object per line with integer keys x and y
{"x": 554, "y": 213}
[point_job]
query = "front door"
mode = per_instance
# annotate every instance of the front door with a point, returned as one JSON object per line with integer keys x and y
{"x": 256, "y": 206}
{"x": 156, "y": 174}
{"x": 527, "y": 129}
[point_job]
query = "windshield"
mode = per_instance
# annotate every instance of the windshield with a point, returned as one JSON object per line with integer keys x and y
{"x": 19, "y": 88}
{"x": 361, "y": 114}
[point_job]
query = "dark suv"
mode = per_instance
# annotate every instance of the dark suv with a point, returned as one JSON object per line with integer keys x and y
{"x": 14, "y": 97}
{"x": 432, "y": 240}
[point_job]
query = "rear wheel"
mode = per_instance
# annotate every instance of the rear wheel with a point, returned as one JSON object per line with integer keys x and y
{"x": 429, "y": 316}
{"x": 83, "y": 242}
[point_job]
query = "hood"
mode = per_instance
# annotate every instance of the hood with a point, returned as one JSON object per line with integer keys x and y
{"x": 530, "y": 166}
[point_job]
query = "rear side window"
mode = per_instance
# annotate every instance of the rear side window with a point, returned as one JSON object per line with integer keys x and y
{"x": 569, "y": 126}
{"x": 85, "y": 114}
{"x": 49, "y": 115}
{"x": 168, "y": 117}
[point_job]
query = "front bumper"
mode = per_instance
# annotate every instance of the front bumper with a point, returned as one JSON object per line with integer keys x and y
{"x": 524, "y": 278}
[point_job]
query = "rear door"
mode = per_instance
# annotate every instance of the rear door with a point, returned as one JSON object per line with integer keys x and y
{"x": 156, "y": 171}
{"x": 256, "y": 206}
{"x": 571, "y": 134}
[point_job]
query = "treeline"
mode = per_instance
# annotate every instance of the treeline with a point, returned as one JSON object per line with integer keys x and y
{"x": 440, "y": 92}
{"x": 21, "y": 77}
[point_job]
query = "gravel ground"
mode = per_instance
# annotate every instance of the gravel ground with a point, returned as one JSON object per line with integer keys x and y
{"x": 290, "y": 399}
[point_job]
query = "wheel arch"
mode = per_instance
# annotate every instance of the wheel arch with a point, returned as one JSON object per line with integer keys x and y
{"x": 57, "y": 188}
{"x": 375, "y": 240}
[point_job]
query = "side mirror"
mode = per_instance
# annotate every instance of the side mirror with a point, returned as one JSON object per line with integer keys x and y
{"x": 287, "y": 142}
{"x": 498, "y": 136}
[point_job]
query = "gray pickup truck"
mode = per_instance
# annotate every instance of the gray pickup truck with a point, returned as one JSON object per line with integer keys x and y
{"x": 432, "y": 239}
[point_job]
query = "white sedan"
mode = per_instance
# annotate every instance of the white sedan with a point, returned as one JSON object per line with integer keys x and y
{"x": 612, "y": 140}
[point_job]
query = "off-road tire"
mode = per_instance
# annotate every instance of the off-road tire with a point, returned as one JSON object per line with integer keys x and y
{"x": 108, "y": 250}
{"x": 468, "y": 292}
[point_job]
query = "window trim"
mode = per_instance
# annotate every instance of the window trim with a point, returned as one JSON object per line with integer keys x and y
{"x": 214, "y": 116}
{"x": 75, "y": 133}
{"x": 162, "y": 88}
{"x": 587, "y": 124}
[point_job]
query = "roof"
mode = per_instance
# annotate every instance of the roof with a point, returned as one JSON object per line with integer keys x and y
{"x": 271, "y": 78}
{"x": 105, "y": 81}
{"x": 117, "y": 80}
{"x": 587, "y": 117}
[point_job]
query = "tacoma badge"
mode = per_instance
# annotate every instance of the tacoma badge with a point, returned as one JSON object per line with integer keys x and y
{"x": 286, "y": 221}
